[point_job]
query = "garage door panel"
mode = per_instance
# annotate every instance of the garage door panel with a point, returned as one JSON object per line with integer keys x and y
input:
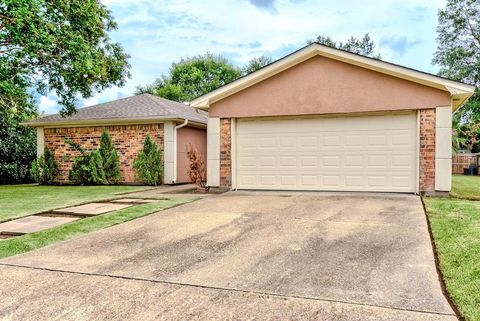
{"x": 370, "y": 153}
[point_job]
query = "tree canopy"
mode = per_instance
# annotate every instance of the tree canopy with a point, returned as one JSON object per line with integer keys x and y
{"x": 61, "y": 47}
{"x": 458, "y": 51}
{"x": 17, "y": 143}
{"x": 364, "y": 46}
{"x": 192, "y": 77}
{"x": 196, "y": 76}
{"x": 255, "y": 64}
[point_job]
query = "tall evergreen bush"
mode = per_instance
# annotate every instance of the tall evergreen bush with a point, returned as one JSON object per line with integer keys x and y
{"x": 87, "y": 169}
{"x": 98, "y": 167}
{"x": 148, "y": 163}
{"x": 111, "y": 160}
{"x": 44, "y": 170}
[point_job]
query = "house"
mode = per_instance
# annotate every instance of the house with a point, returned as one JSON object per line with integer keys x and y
{"x": 171, "y": 125}
{"x": 329, "y": 120}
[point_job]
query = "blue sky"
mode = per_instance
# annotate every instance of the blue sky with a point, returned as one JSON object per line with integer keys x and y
{"x": 156, "y": 33}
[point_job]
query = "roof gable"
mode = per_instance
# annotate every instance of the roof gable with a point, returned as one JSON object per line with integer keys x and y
{"x": 322, "y": 85}
{"x": 459, "y": 92}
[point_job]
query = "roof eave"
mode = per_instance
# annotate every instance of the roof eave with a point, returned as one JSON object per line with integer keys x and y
{"x": 459, "y": 99}
{"x": 110, "y": 121}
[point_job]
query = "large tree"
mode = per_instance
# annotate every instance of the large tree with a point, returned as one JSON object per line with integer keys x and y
{"x": 62, "y": 47}
{"x": 458, "y": 51}
{"x": 192, "y": 77}
{"x": 50, "y": 46}
{"x": 364, "y": 46}
{"x": 17, "y": 143}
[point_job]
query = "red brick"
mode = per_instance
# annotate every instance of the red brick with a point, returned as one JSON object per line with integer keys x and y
{"x": 128, "y": 140}
{"x": 225, "y": 152}
{"x": 427, "y": 150}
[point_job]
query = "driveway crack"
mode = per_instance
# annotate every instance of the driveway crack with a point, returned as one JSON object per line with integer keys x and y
{"x": 252, "y": 292}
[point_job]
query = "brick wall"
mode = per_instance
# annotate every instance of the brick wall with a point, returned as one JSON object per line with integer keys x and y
{"x": 128, "y": 140}
{"x": 225, "y": 152}
{"x": 427, "y": 150}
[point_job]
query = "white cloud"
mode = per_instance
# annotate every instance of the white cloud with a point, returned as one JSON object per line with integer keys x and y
{"x": 158, "y": 32}
{"x": 48, "y": 104}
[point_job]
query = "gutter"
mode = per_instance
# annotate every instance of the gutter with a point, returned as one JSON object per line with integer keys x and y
{"x": 108, "y": 122}
{"x": 175, "y": 143}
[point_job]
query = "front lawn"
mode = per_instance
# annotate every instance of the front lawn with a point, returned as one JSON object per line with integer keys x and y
{"x": 455, "y": 224}
{"x": 43, "y": 238}
{"x": 467, "y": 187}
{"x": 22, "y": 200}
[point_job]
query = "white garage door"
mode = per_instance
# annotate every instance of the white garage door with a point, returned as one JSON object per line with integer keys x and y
{"x": 365, "y": 153}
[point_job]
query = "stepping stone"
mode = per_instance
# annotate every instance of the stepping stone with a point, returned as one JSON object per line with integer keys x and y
{"x": 33, "y": 223}
{"x": 133, "y": 200}
{"x": 92, "y": 209}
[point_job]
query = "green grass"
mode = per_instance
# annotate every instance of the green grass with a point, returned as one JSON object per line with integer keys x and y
{"x": 40, "y": 239}
{"x": 467, "y": 187}
{"x": 21, "y": 200}
{"x": 455, "y": 224}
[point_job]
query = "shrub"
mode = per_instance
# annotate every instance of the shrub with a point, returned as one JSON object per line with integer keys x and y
{"x": 148, "y": 163}
{"x": 87, "y": 169}
{"x": 111, "y": 160}
{"x": 196, "y": 167}
{"x": 44, "y": 170}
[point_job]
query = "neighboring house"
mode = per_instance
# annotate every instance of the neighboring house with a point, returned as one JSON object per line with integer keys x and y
{"x": 326, "y": 119}
{"x": 171, "y": 125}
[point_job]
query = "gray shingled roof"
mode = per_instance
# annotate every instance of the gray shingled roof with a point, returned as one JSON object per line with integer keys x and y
{"x": 144, "y": 106}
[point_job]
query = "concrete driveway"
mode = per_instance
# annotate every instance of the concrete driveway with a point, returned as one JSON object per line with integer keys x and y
{"x": 262, "y": 256}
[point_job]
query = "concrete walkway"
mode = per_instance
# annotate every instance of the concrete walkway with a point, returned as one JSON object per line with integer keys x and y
{"x": 50, "y": 219}
{"x": 263, "y": 256}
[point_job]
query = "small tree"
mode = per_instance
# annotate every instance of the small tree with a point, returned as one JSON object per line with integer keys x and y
{"x": 111, "y": 160}
{"x": 44, "y": 170}
{"x": 87, "y": 168}
{"x": 148, "y": 163}
{"x": 196, "y": 167}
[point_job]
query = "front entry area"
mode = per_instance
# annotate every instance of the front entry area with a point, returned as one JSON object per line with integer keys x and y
{"x": 375, "y": 153}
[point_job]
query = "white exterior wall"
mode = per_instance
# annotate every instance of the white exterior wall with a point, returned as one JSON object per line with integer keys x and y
{"x": 443, "y": 149}
{"x": 40, "y": 141}
{"x": 213, "y": 152}
{"x": 168, "y": 152}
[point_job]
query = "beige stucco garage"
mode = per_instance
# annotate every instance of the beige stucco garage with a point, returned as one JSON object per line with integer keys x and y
{"x": 326, "y": 119}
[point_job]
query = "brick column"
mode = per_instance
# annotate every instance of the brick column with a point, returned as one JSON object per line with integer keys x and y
{"x": 427, "y": 150}
{"x": 225, "y": 152}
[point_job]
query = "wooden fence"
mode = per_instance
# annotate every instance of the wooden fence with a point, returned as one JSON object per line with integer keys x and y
{"x": 461, "y": 161}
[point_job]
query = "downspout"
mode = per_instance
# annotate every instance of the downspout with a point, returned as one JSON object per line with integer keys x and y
{"x": 175, "y": 143}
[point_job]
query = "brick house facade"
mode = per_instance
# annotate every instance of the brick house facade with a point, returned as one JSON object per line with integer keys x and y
{"x": 172, "y": 125}
{"x": 128, "y": 140}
